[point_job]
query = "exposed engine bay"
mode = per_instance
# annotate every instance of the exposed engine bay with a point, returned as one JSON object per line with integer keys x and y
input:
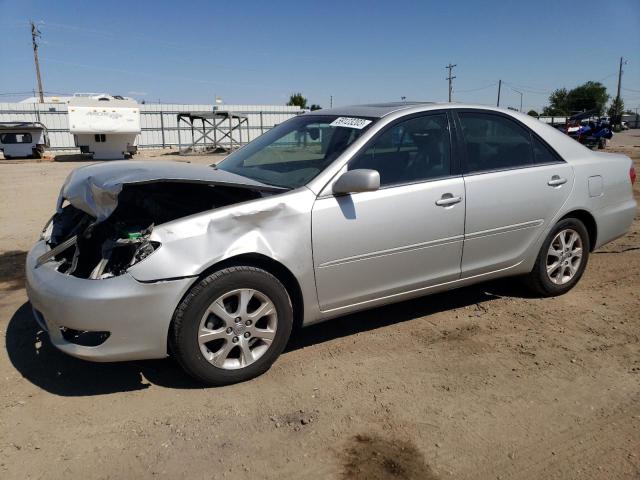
{"x": 84, "y": 247}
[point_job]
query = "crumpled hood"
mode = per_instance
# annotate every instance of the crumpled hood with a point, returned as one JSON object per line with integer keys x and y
{"x": 94, "y": 189}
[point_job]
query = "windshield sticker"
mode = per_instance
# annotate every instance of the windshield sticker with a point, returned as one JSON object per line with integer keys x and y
{"x": 350, "y": 122}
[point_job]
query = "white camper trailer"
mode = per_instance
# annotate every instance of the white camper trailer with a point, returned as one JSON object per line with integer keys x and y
{"x": 23, "y": 139}
{"x": 104, "y": 125}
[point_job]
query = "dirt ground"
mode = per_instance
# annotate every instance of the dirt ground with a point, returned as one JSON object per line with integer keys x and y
{"x": 479, "y": 383}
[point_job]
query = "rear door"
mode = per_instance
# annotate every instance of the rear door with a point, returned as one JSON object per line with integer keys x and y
{"x": 515, "y": 184}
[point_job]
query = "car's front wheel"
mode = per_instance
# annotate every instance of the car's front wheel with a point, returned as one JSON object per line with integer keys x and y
{"x": 232, "y": 325}
{"x": 561, "y": 260}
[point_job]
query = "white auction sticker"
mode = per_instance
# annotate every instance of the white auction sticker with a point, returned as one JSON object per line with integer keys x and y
{"x": 350, "y": 122}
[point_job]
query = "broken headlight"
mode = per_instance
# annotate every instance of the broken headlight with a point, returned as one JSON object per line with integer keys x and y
{"x": 98, "y": 253}
{"x": 121, "y": 253}
{"x": 47, "y": 230}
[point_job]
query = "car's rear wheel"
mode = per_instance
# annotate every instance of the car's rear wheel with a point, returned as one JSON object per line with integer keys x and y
{"x": 232, "y": 325}
{"x": 562, "y": 259}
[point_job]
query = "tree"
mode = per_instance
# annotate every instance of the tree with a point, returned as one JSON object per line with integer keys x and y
{"x": 588, "y": 96}
{"x": 615, "y": 111}
{"x": 297, "y": 100}
{"x": 315, "y": 107}
{"x": 532, "y": 113}
{"x": 558, "y": 104}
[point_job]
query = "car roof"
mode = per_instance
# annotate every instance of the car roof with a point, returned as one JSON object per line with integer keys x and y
{"x": 379, "y": 110}
{"x": 375, "y": 110}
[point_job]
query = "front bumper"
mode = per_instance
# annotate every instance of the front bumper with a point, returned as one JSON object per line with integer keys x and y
{"x": 137, "y": 315}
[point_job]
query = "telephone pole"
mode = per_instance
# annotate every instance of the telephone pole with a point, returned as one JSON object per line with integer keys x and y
{"x": 618, "y": 118}
{"x": 517, "y": 91}
{"x": 499, "y": 88}
{"x": 35, "y": 34}
{"x": 450, "y": 77}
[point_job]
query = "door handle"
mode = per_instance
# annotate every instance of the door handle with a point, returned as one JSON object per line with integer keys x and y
{"x": 447, "y": 200}
{"x": 556, "y": 181}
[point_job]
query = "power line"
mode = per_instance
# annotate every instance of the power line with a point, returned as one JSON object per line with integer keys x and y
{"x": 450, "y": 78}
{"x": 521, "y": 94}
{"x": 528, "y": 89}
{"x": 477, "y": 89}
{"x": 608, "y": 76}
{"x": 9, "y": 94}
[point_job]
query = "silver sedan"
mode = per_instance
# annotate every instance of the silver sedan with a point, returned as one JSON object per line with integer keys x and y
{"x": 331, "y": 212}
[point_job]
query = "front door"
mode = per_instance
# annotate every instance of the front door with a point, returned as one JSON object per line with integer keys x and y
{"x": 406, "y": 236}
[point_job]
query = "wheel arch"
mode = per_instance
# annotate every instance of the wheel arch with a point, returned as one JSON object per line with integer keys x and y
{"x": 275, "y": 268}
{"x": 589, "y": 222}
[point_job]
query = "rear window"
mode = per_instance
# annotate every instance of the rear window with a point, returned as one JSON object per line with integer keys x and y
{"x": 542, "y": 154}
{"x": 9, "y": 138}
{"x": 494, "y": 142}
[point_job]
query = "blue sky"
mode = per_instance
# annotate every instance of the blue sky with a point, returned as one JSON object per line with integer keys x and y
{"x": 357, "y": 51}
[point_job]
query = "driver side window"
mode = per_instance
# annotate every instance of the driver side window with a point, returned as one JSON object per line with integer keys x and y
{"x": 411, "y": 151}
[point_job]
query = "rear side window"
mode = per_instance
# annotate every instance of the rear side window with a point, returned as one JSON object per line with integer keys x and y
{"x": 415, "y": 150}
{"x": 494, "y": 142}
{"x": 542, "y": 154}
{"x": 8, "y": 138}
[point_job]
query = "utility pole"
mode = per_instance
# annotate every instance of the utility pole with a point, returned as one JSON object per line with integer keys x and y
{"x": 330, "y": 101}
{"x": 520, "y": 97}
{"x": 618, "y": 118}
{"x": 499, "y": 88}
{"x": 450, "y": 77}
{"x": 35, "y": 34}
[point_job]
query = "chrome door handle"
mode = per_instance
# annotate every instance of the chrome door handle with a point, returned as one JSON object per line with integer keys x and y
{"x": 556, "y": 181}
{"x": 447, "y": 200}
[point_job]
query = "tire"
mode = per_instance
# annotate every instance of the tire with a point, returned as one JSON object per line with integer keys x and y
{"x": 558, "y": 282}
{"x": 245, "y": 342}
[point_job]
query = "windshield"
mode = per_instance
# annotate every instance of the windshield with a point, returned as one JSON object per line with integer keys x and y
{"x": 294, "y": 152}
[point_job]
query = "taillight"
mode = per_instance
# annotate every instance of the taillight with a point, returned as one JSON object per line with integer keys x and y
{"x": 632, "y": 175}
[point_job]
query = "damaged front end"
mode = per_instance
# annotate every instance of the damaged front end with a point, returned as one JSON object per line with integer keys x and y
{"x": 104, "y": 222}
{"x": 84, "y": 249}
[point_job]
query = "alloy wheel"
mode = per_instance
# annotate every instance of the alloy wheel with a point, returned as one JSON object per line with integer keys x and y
{"x": 237, "y": 328}
{"x": 564, "y": 256}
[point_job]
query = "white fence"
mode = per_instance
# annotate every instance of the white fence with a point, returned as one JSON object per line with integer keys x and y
{"x": 158, "y": 121}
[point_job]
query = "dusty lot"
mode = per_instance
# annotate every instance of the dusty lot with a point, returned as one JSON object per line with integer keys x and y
{"x": 483, "y": 382}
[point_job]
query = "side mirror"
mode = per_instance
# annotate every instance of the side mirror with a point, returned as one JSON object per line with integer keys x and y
{"x": 314, "y": 133}
{"x": 359, "y": 180}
